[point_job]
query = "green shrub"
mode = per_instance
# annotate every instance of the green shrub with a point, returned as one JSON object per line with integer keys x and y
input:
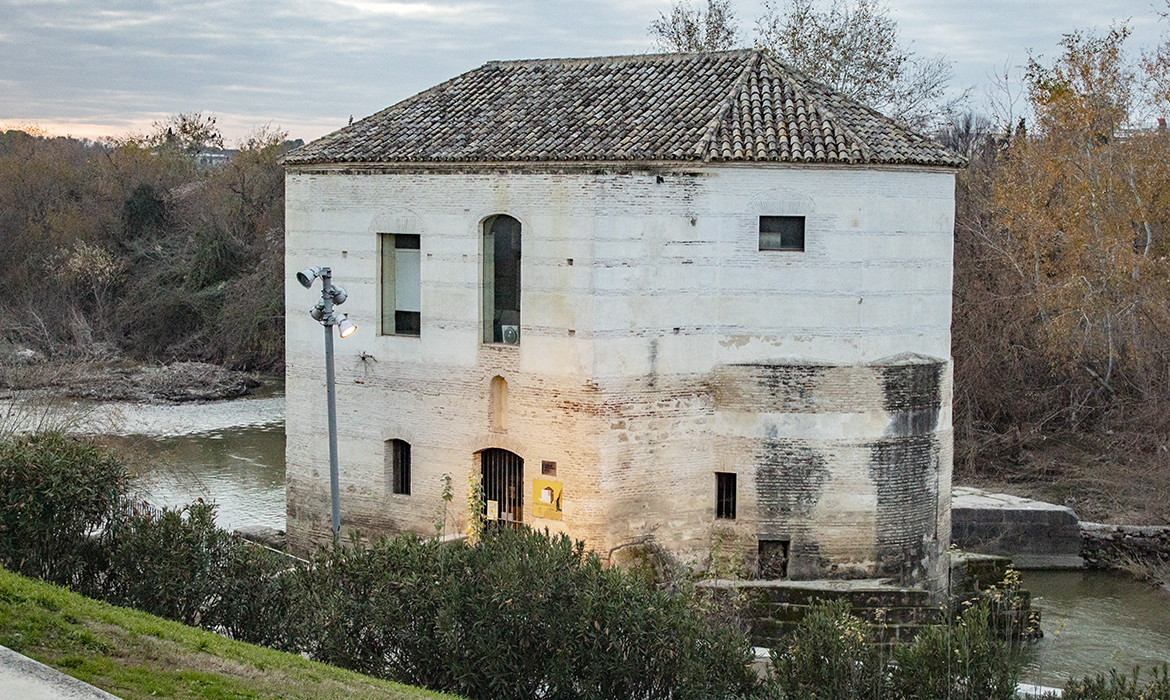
{"x": 965, "y": 659}
{"x": 255, "y": 597}
{"x": 520, "y": 614}
{"x": 177, "y": 564}
{"x": 1119, "y": 686}
{"x": 55, "y": 492}
{"x": 830, "y": 656}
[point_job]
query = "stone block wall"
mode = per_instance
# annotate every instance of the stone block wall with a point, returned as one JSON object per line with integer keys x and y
{"x": 1036, "y": 535}
{"x": 1107, "y": 546}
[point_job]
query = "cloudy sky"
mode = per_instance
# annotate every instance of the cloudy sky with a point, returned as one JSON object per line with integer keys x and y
{"x": 108, "y": 67}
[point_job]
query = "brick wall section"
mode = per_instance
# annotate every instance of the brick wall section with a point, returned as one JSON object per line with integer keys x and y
{"x": 658, "y": 346}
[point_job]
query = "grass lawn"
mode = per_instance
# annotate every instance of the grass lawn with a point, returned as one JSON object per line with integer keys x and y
{"x": 135, "y": 655}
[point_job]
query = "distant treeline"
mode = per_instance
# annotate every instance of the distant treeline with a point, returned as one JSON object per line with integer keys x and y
{"x": 162, "y": 246}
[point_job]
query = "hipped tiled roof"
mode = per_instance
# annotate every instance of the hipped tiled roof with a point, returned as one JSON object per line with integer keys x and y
{"x": 732, "y": 106}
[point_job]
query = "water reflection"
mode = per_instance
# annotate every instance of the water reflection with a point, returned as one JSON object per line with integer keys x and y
{"x": 240, "y": 469}
{"x": 1094, "y": 621}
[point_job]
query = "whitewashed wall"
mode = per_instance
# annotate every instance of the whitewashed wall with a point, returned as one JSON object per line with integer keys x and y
{"x": 638, "y": 285}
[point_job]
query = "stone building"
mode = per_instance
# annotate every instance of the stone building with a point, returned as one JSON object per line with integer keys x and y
{"x": 658, "y": 299}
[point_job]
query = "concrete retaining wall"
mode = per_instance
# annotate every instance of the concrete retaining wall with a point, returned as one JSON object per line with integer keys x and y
{"x": 1036, "y": 535}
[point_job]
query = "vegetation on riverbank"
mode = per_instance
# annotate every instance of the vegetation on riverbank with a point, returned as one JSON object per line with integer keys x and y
{"x": 118, "y": 379}
{"x": 160, "y": 246}
{"x": 514, "y": 614}
{"x": 1062, "y": 287}
{"x": 136, "y": 656}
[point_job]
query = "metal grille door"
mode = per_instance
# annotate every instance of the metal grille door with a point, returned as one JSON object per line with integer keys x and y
{"x": 503, "y": 482}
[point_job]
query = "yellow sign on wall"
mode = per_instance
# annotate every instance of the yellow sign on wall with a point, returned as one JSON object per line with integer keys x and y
{"x": 546, "y": 499}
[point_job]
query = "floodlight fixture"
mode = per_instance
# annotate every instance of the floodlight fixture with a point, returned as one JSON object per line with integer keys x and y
{"x": 307, "y": 275}
{"x": 323, "y": 312}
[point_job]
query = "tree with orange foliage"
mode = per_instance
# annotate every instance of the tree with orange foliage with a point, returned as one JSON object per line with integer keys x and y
{"x": 1062, "y": 269}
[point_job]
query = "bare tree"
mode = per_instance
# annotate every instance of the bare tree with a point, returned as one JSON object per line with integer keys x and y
{"x": 853, "y": 47}
{"x": 686, "y": 29}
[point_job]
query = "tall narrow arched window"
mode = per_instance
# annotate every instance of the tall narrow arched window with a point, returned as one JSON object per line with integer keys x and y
{"x": 501, "y": 280}
{"x": 397, "y": 456}
{"x": 499, "y": 405}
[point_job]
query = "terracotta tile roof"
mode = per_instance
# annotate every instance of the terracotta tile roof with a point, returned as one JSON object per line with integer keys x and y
{"x": 726, "y": 106}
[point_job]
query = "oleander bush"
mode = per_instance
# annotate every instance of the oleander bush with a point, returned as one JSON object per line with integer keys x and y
{"x": 831, "y": 656}
{"x": 56, "y": 493}
{"x": 1120, "y": 686}
{"x": 518, "y": 614}
{"x": 967, "y": 658}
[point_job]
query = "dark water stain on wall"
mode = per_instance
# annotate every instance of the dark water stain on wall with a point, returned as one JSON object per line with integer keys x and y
{"x": 912, "y": 395}
{"x": 905, "y": 469}
{"x": 768, "y": 388}
{"x": 790, "y": 477}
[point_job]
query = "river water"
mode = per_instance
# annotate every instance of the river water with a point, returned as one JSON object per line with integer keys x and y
{"x": 227, "y": 452}
{"x": 1094, "y": 621}
{"x": 232, "y": 453}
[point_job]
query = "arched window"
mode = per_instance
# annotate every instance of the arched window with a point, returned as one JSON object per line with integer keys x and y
{"x": 499, "y": 405}
{"x": 501, "y": 280}
{"x": 397, "y": 455}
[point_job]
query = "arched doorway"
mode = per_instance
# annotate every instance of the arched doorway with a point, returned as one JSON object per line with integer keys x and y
{"x": 503, "y": 486}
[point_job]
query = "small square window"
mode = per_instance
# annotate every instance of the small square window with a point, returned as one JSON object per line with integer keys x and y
{"x": 548, "y": 468}
{"x": 782, "y": 233}
{"x": 398, "y": 464}
{"x": 725, "y": 495}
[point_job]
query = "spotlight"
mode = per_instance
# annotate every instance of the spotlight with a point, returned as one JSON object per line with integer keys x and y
{"x": 345, "y": 327}
{"x": 307, "y": 275}
{"x": 339, "y": 295}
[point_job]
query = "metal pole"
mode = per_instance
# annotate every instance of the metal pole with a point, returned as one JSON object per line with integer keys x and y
{"x": 331, "y": 398}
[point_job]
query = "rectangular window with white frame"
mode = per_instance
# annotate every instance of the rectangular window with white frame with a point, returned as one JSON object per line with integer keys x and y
{"x": 401, "y": 283}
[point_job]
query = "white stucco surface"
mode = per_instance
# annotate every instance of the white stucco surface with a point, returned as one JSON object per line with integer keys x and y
{"x": 637, "y": 284}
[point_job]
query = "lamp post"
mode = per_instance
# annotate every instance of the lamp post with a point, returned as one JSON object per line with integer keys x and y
{"x": 325, "y": 314}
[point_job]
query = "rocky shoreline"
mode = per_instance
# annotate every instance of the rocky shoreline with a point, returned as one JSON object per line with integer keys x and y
{"x": 1143, "y": 551}
{"x": 120, "y": 380}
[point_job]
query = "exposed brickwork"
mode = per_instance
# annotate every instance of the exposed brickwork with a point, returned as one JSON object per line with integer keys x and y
{"x": 659, "y": 346}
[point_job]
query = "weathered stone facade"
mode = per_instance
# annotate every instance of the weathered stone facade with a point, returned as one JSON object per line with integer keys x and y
{"x": 659, "y": 346}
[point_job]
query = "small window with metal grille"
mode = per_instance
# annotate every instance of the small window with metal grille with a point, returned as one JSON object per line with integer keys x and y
{"x": 398, "y": 464}
{"x": 725, "y": 495}
{"x": 782, "y": 233}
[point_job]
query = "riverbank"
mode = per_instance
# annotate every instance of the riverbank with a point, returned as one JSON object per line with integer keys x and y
{"x": 134, "y": 655}
{"x": 25, "y": 373}
{"x": 1115, "y": 478}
